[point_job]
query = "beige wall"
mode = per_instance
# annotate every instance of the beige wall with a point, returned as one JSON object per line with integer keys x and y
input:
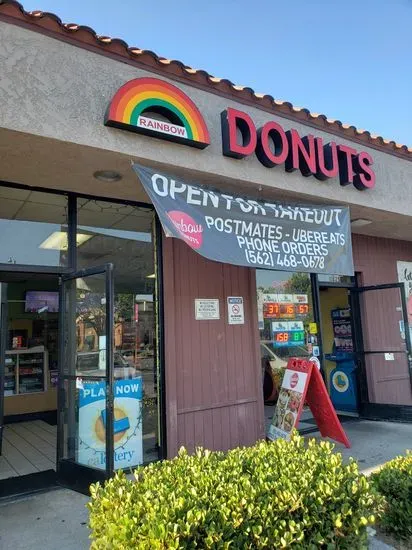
{"x": 57, "y": 90}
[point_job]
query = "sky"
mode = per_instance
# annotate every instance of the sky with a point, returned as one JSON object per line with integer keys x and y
{"x": 350, "y": 60}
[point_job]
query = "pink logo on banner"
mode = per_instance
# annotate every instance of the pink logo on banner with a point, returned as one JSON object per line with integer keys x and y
{"x": 187, "y": 227}
{"x": 294, "y": 379}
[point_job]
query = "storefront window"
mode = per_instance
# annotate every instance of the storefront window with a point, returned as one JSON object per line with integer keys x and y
{"x": 286, "y": 325}
{"x": 336, "y": 279}
{"x": 122, "y": 235}
{"x": 33, "y": 227}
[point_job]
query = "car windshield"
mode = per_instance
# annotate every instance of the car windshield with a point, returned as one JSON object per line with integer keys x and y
{"x": 283, "y": 352}
{"x": 90, "y": 361}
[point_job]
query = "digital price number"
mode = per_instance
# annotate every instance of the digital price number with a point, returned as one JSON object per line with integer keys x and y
{"x": 290, "y": 338}
{"x": 301, "y": 309}
{"x": 273, "y": 310}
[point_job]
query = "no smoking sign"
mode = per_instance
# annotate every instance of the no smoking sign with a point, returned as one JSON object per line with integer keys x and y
{"x": 235, "y": 310}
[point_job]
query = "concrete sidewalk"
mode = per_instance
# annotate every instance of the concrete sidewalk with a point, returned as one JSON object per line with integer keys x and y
{"x": 54, "y": 520}
{"x": 57, "y": 520}
{"x": 374, "y": 443}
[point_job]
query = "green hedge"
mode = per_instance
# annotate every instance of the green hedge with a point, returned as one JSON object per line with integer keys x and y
{"x": 394, "y": 482}
{"x": 272, "y": 495}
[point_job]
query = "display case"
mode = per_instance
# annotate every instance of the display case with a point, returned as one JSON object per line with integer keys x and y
{"x": 10, "y": 375}
{"x": 25, "y": 371}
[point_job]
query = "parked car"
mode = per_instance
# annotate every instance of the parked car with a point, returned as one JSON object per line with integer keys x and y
{"x": 129, "y": 356}
{"x": 88, "y": 364}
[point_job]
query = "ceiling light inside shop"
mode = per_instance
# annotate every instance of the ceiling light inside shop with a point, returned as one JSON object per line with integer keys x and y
{"x": 108, "y": 176}
{"x": 360, "y": 222}
{"x": 58, "y": 240}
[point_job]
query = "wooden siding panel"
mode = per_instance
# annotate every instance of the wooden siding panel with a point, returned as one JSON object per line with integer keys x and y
{"x": 375, "y": 259}
{"x": 214, "y": 368}
{"x": 173, "y": 431}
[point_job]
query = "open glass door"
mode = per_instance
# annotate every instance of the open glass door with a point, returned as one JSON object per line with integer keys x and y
{"x": 3, "y": 343}
{"x": 85, "y": 403}
{"x": 383, "y": 349}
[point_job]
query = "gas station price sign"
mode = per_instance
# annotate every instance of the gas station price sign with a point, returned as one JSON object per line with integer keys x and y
{"x": 301, "y": 310}
{"x": 275, "y": 310}
{"x": 288, "y": 333}
{"x": 289, "y": 338}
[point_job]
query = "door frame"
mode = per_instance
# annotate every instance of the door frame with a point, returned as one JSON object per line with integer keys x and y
{"x": 62, "y": 270}
{"x": 379, "y": 411}
{"x": 69, "y": 473}
{"x": 348, "y": 286}
{"x": 3, "y": 344}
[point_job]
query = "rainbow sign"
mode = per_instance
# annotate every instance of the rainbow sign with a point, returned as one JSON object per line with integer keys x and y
{"x": 134, "y": 104}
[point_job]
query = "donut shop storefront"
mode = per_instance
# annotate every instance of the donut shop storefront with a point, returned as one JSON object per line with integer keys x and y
{"x": 169, "y": 242}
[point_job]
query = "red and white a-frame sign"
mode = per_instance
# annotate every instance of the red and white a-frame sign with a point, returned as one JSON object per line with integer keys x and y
{"x": 303, "y": 383}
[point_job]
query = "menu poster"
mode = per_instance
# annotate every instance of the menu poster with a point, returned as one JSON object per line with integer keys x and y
{"x": 342, "y": 329}
{"x": 304, "y": 383}
{"x": 291, "y": 399}
{"x": 54, "y": 378}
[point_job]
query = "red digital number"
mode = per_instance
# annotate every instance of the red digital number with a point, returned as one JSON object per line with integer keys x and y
{"x": 287, "y": 310}
{"x": 271, "y": 309}
{"x": 302, "y": 309}
{"x": 282, "y": 337}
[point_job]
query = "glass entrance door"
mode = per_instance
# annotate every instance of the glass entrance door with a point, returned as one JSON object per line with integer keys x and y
{"x": 383, "y": 348}
{"x": 85, "y": 404}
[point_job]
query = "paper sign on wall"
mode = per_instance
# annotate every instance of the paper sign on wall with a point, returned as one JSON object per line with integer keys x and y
{"x": 235, "y": 310}
{"x": 206, "y": 309}
{"x": 405, "y": 277}
{"x": 302, "y": 382}
{"x": 313, "y": 328}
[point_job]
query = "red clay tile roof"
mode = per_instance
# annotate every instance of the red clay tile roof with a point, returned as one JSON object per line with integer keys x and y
{"x": 85, "y": 37}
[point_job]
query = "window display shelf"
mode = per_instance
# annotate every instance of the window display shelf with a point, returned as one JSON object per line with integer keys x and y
{"x": 26, "y": 371}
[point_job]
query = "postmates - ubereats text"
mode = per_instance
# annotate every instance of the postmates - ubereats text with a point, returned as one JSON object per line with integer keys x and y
{"x": 268, "y": 245}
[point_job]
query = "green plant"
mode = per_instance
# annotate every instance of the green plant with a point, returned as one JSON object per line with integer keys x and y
{"x": 394, "y": 482}
{"x": 273, "y": 495}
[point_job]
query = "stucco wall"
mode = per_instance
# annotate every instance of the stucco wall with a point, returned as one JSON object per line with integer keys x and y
{"x": 50, "y": 88}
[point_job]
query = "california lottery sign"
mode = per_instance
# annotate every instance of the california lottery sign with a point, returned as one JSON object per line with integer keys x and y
{"x": 127, "y": 426}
